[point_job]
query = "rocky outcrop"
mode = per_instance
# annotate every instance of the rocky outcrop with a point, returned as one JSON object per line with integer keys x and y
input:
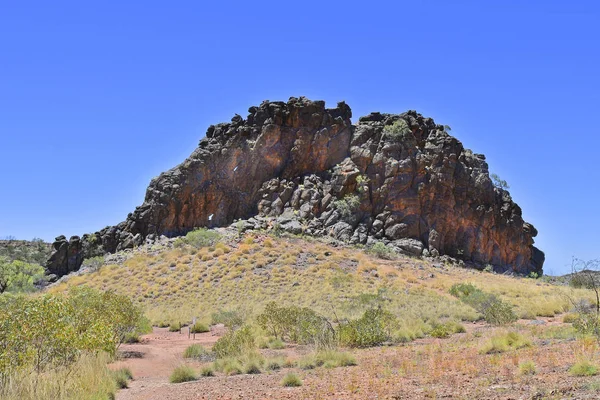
{"x": 301, "y": 167}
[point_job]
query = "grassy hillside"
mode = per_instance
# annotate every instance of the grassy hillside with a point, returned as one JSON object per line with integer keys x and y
{"x": 245, "y": 273}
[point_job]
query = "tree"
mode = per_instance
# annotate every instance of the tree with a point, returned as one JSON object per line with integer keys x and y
{"x": 499, "y": 183}
{"x": 19, "y": 276}
{"x": 586, "y": 275}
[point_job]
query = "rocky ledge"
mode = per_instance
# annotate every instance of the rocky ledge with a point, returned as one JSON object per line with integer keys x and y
{"x": 303, "y": 168}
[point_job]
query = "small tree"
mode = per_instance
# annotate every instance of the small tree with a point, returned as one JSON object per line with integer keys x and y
{"x": 499, "y": 183}
{"x": 586, "y": 274}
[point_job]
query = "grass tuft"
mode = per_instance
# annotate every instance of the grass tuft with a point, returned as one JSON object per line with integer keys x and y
{"x": 183, "y": 373}
{"x": 291, "y": 380}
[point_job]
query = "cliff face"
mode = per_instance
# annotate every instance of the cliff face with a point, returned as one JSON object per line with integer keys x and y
{"x": 298, "y": 166}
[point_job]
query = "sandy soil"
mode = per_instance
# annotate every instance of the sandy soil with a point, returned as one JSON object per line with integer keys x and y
{"x": 424, "y": 369}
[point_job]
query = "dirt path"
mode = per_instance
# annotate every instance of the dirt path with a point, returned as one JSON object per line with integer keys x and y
{"x": 153, "y": 360}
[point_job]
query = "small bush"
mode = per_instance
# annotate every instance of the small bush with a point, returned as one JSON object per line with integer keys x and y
{"x": 583, "y": 368}
{"x": 229, "y": 366}
{"x": 183, "y": 373}
{"x": 131, "y": 337}
{"x": 397, "y": 131}
{"x": 273, "y": 364}
{"x": 348, "y": 205}
{"x": 276, "y": 344}
{"x": 505, "y": 342}
{"x": 175, "y": 327}
{"x": 291, "y": 380}
{"x": 442, "y": 331}
{"x": 122, "y": 377}
{"x": 373, "y": 329}
{"x": 231, "y": 319}
{"x": 207, "y": 371}
{"x": 252, "y": 366}
{"x": 235, "y": 343}
{"x": 493, "y": 310}
{"x": 570, "y": 318}
{"x": 527, "y": 368}
{"x": 199, "y": 327}
{"x": 380, "y": 250}
{"x": 333, "y": 359}
{"x": 195, "y": 351}
{"x": 199, "y": 238}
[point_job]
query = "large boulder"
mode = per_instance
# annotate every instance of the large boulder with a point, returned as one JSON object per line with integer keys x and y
{"x": 398, "y": 178}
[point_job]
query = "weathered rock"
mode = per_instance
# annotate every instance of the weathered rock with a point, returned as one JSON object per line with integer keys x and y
{"x": 312, "y": 171}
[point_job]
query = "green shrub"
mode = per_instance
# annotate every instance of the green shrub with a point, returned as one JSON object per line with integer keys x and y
{"x": 235, "y": 343}
{"x": 443, "y": 331}
{"x": 207, "y": 371}
{"x": 295, "y": 324}
{"x": 229, "y": 366}
{"x": 252, "y": 366}
{"x": 199, "y": 238}
{"x": 273, "y": 364}
{"x": 199, "y": 327}
{"x": 347, "y": 205}
{"x": 380, "y": 250}
{"x": 505, "y": 342}
{"x": 398, "y": 131}
{"x": 231, "y": 319}
{"x": 291, "y": 380}
{"x": 570, "y": 318}
{"x": 131, "y": 337}
{"x": 183, "y": 373}
{"x": 122, "y": 377}
{"x": 493, "y": 310}
{"x": 333, "y": 359}
{"x": 195, "y": 351}
{"x": 583, "y": 368}
{"x": 175, "y": 327}
{"x": 527, "y": 368}
{"x": 373, "y": 329}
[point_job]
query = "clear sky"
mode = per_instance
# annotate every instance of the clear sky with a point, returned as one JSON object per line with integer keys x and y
{"x": 96, "y": 98}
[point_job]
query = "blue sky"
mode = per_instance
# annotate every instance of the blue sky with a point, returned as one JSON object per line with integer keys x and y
{"x": 96, "y": 98}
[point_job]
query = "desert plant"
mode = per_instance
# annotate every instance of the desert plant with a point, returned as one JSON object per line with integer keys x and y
{"x": 493, "y": 310}
{"x": 122, "y": 377}
{"x": 207, "y": 371}
{"x": 372, "y": 329}
{"x": 505, "y": 342}
{"x": 380, "y": 250}
{"x": 397, "y": 130}
{"x": 182, "y": 373}
{"x": 235, "y": 343}
{"x": 347, "y": 205}
{"x": 198, "y": 238}
{"x": 199, "y": 327}
{"x": 583, "y": 368}
{"x": 291, "y": 380}
{"x": 498, "y": 182}
{"x": 231, "y": 319}
{"x": 527, "y": 368}
{"x": 175, "y": 327}
{"x": 195, "y": 351}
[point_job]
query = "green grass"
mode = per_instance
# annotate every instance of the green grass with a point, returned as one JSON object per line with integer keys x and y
{"x": 505, "y": 342}
{"x": 291, "y": 380}
{"x": 326, "y": 359}
{"x": 527, "y": 368}
{"x": 199, "y": 327}
{"x": 207, "y": 371}
{"x": 183, "y": 373}
{"x": 122, "y": 377}
{"x": 583, "y": 368}
{"x": 195, "y": 351}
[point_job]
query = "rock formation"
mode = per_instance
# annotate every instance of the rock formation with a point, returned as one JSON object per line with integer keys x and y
{"x": 301, "y": 167}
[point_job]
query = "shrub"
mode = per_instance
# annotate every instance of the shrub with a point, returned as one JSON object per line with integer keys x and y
{"x": 333, "y": 359}
{"x": 183, "y": 373}
{"x": 131, "y": 337}
{"x": 295, "y": 324}
{"x": 374, "y": 328}
{"x": 398, "y": 130}
{"x": 122, "y": 377}
{"x": 570, "y": 318}
{"x": 527, "y": 368}
{"x": 195, "y": 351}
{"x": 175, "y": 327}
{"x": 235, "y": 343}
{"x": 443, "y": 331}
{"x": 505, "y": 342}
{"x": 199, "y": 238}
{"x": 199, "y": 327}
{"x": 231, "y": 319}
{"x": 273, "y": 364}
{"x": 380, "y": 250}
{"x": 347, "y": 205}
{"x": 291, "y": 380}
{"x": 207, "y": 371}
{"x": 493, "y": 310}
{"x": 229, "y": 366}
{"x": 583, "y": 368}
